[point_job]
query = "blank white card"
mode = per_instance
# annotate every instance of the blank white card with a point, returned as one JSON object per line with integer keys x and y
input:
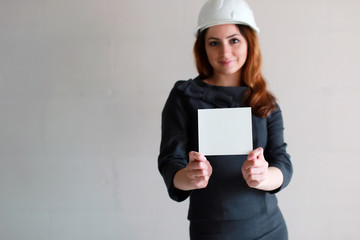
{"x": 225, "y": 131}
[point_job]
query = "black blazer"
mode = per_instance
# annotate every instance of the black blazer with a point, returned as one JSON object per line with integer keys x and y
{"x": 227, "y": 196}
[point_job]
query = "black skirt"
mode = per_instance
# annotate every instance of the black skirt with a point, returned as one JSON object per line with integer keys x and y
{"x": 269, "y": 226}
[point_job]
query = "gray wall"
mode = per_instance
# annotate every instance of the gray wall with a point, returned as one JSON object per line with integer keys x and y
{"x": 82, "y": 86}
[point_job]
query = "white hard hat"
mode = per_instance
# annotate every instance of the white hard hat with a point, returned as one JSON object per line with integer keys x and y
{"x": 217, "y": 12}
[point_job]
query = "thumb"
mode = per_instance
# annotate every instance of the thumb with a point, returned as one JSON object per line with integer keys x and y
{"x": 255, "y": 154}
{"x": 195, "y": 156}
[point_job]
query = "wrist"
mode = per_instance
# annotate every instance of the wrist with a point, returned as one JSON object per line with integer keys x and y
{"x": 273, "y": 180}
{"x": 181, "y": 180}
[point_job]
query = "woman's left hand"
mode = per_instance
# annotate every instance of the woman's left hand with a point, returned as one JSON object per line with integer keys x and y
{"x": 255, "y": 168}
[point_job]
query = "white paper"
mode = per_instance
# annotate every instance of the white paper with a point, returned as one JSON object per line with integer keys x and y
{"x": 225, "y": 131}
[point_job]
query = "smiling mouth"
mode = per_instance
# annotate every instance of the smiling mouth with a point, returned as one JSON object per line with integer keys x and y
{"x": 226, "y": 62}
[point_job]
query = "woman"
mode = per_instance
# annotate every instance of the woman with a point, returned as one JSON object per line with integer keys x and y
{"x": 232, "y": 196}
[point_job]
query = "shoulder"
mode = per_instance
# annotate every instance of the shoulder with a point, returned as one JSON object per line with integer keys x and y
{"x": 186, "y": 87}
{"x": 177, "y": 94}
{"x": 182, "y": 85}
{"x": 275, "y": 117}
{"x": 275, "y": 112}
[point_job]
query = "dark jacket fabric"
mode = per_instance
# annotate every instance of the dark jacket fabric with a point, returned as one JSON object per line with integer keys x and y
{"x": 227, "y": 196}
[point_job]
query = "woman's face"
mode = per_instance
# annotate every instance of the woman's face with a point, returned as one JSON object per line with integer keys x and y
{"x": 226, "y": 49}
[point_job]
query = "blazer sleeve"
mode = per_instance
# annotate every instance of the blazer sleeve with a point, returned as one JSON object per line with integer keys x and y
{"x": 174, "y": 143}
{"x": 275, "y": 151}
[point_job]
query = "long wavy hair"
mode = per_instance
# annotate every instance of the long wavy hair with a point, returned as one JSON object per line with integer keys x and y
{"x": 257, "y": 96}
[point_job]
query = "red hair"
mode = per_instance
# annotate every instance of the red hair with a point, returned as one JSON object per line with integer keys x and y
{"x": 257, "y": 96}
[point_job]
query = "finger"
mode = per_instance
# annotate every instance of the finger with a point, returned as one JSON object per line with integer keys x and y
{"x": 252, "y": 164}
{"x": 254, "y": 177}
{"x": 196, "y": 174}
{"x": 200, "y": 182}
{"x": 253, "y": 184}
{"x": 257, "y": 178}
{"x": 261, "y": 164}
{"x": 261, "y": 169}
{"x": 255, "y": 171}
{"x": 196, "y": 156}
{"x": 248, "y": 164}
{"x": 256, "y": 154}
{"x": 195, "y": 165}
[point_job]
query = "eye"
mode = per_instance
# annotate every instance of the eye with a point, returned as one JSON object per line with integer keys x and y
{"x": 234, "y": 40}
{"x": 213, "y": 43}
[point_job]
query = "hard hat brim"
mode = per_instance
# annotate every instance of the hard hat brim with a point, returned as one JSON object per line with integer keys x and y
{"x": 199, "y": 29}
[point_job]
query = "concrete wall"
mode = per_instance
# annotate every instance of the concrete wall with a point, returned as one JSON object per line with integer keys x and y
{"x": 82, "y": 86}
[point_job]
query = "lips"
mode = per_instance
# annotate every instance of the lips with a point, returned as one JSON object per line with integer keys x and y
{"x": 226, "y": 62}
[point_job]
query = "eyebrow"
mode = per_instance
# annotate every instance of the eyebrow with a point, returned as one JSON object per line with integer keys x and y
{"x": 233, "y": 35}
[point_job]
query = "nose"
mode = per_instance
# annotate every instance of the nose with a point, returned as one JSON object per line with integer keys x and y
{"x": 225, "y": 49}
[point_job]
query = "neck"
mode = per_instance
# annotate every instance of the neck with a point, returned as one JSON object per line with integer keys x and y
{"x": 224, "y": 80}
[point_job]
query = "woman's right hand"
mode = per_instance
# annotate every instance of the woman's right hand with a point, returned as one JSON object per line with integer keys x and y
{"x": 195, "y": 175}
